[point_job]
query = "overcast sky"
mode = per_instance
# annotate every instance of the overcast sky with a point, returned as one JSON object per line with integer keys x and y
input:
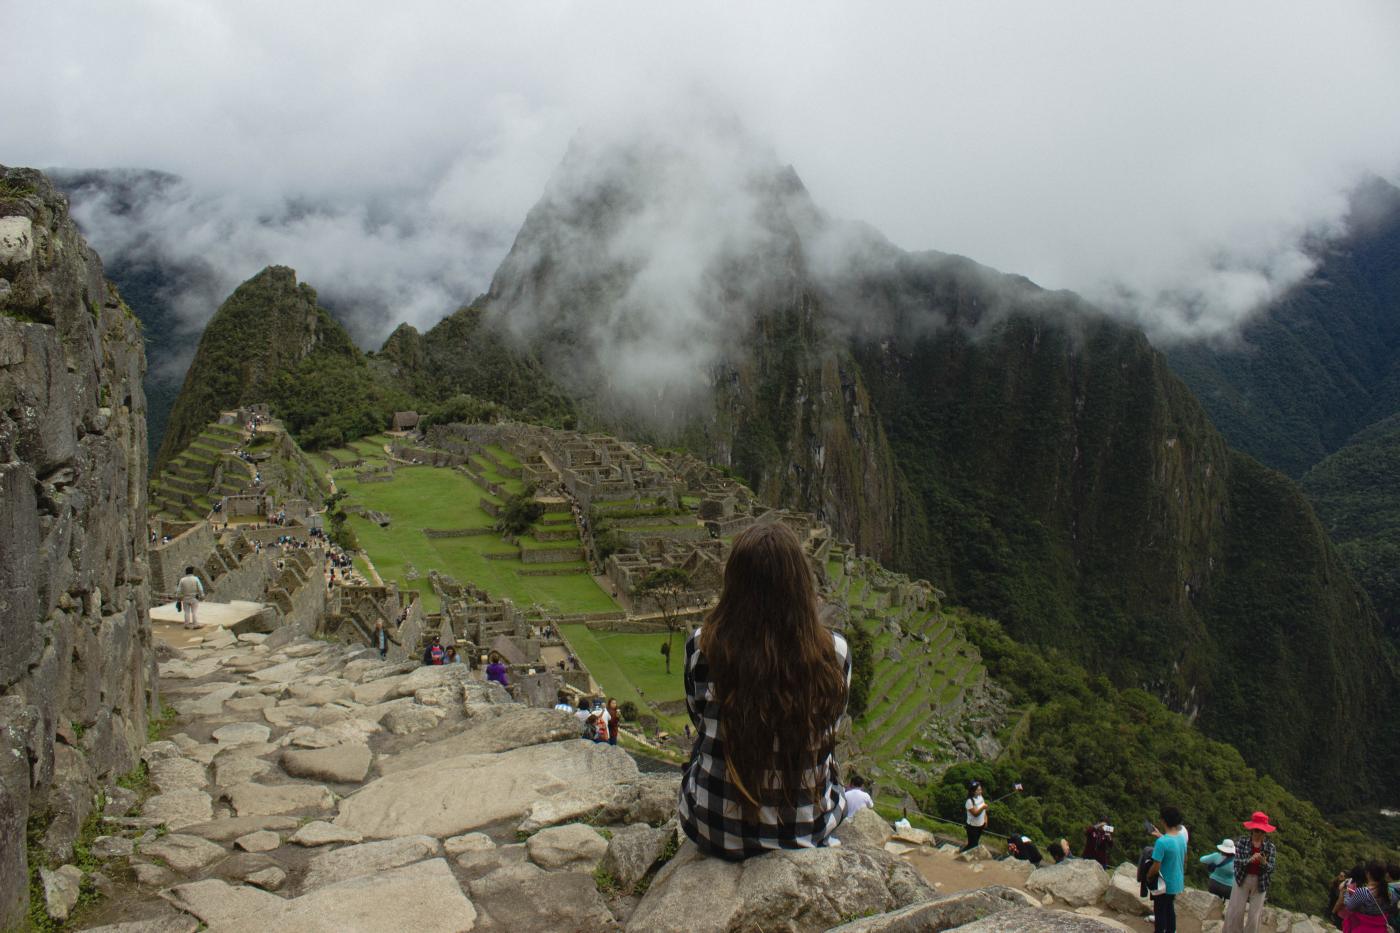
{"x": 1169, "y": 157}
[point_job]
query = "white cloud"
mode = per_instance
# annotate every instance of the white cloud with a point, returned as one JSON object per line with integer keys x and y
{"x": 1173, "y": 155}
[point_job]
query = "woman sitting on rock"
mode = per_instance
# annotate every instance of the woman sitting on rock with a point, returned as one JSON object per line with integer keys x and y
{"x": 765, "y": 685}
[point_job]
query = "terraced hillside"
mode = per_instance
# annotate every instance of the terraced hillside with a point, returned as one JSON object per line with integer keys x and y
{"x": 930, "y": 704}
{"x": 187, "y": 486}
{"x": 413, "y": 518}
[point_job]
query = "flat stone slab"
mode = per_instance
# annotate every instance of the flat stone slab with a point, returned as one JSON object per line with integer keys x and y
{"x": 517, "y": 728}
{"x": 423, "y": 897}
{"x": 183, "y": 852}
{"x": 211, "y": 615}
{"x": 368, "y": 859}
{"x": 256, "y": 799}
{"x": 230, "y": 828}
{"x": 231, "y": 768}
{"x": 573, "y": 846}
{"x": 164, "y": 923}
{"x": 457, "y": 795}
{"x": 172, "y": 774}
{"x": 343, "y": 764}
{"x": 321, "y": 833}
{"x": 242, "y": 733}
{"x": 180, "y": 808}
{"x": 264, "y": 840}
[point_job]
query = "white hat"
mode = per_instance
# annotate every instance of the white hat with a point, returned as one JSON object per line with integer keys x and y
{"x": 1227, "y": 846}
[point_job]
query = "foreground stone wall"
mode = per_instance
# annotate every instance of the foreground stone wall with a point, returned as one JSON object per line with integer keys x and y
{"x": 76, "y": 667}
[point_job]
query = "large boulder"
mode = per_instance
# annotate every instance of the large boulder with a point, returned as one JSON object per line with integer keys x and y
{"x": 522, "y": 897}
{"x": 460, "y": 794}
{"x": 1038, "y": 920}
{"x": 1123, "y": 890}
{"x": 1199, "y": 904}
{"x": 866, "y": 828}
{"x": 1077, "y": 882}
{"x": 790, "y": 890}
{"x": 941, "y": 913}
{"x": 514, "y": 728}
{"x": 634, "y": 850}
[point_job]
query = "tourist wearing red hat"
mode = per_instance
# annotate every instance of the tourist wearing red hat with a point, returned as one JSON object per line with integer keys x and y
{"x": 1254, "y": 866}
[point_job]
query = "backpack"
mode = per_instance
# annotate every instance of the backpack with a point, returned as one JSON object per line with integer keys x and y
{"x": 437, "y": 654}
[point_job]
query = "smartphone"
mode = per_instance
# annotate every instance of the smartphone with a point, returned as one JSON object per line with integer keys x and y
{"x": 1147, "y": 826}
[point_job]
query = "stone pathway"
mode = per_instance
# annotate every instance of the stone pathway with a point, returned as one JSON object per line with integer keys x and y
{"x": 298, "y": 769}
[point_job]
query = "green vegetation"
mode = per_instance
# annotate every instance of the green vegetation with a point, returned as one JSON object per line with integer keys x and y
{"x": 519, "y": 513}
{"x": 625, "y": 664}
{"x": 1092, "y": 750}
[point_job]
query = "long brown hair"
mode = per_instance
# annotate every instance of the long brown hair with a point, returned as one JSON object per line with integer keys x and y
{"x": 778, "y": 683}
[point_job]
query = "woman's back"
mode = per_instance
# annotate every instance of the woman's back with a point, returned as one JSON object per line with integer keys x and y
{"x": 712, "y": 808}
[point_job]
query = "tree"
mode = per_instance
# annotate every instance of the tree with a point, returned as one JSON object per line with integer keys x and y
{"x": 668, "y": 588}
{"x": 519, "y": 513}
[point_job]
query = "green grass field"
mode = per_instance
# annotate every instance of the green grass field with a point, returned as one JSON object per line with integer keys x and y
{"x": 624, "y": 664}
{"x": 426, "y": 497}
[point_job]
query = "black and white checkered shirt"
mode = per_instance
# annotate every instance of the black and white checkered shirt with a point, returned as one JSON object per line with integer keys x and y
{"x": 709, "y": 806}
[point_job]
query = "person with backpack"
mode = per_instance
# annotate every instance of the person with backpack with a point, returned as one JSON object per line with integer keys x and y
{"x": 765, "y": 686}
{"x": 1366, "y": 901}
{"x": 434, "y": 654}
{"x": 1221, "y": 863}
{"x": 1254, "y": 868}
{"x": 975, "y": 808}
{"x": 190, "y": 589}
{"x": 1166, "y": 876}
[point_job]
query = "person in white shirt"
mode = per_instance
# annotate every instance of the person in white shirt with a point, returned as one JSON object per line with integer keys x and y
{"x": 976, "y": 809}
{"x": 856, "y": 797}
{"x": 190, "y": 589}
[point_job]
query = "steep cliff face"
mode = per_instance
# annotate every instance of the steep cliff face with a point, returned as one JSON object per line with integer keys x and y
{"x": 76, "y": 668}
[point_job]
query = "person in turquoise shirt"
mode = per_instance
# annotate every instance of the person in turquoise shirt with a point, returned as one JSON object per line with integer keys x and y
{"x": 1221, "y": 863}
{"x": 1168, "y": 864}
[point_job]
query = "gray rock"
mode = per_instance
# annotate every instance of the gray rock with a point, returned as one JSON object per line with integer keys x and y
{"x": 153, "y": 875}
{"x": 573, "y": 846}
{"x": 1039, "y": 920}
{"x": 522, "y": 897}
{"x": 1199, "y": 904}
{"x": 236, "y": 767}
{"x": 111, "y": 847}
{"x": 518, "y": 728}
{"x": 806, "y": 889}
{"x": 634, "y": 850}
{"x": 242, "y": 733}
{"x": 978, "y": 853}
{"x": 120, "y": 801}
{"x": 182, "y": 852}
{"x": 411, "y": 718}
{"x": 423, "y": 897}
{"x": 470, "y": 842}
{"x": 160, "y": 751}
{"x": 285, "y": 716}
{"x": 172, "y": 774}
{"x": 253, "y": 704}
{"x": 264, "y": 840}
{"x": 180, "y": 808}
{"x": 941, "y": 913}
{"x": 321, "y": 833}
{"x": 348, "y": 763}
{"x": 230, "y": 828}
{"x": 1122, "y": 892}
{"x": 367, "y": 859}
{"x": 269, "y": 879}
{"x": 258, "y": 799}
{"x": 866, "y": 828}
{"x": 1077, "y": 882}
{"x": 160, "y": 923}
{"x": 461, "y": 794}
{"x": 61, "y": 889}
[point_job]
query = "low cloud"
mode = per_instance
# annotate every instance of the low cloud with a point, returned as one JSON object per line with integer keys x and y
{"x": 1168, "y": 162}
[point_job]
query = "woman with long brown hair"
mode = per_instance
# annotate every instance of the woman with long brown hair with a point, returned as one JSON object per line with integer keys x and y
{"x": 766, "y": 685}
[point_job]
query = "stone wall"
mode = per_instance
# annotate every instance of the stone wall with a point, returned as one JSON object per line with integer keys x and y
{"x": 77, "y": 671}
{"x": 168, "y": 561}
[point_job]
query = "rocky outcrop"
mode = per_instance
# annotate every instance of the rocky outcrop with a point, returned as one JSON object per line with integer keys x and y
{"x": 76, "y": 669}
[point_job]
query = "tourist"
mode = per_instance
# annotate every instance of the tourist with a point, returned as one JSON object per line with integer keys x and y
{"x": 1365, "y": 901}
{"x": 614, "y": 720}
{"x": 434, "y": 653}
{"x": 496, "y": 671}
{"x": 1221, "y": 863}
{"x": 564, "y": 706}
{"x": 1254, "y": 867}
{"x": 1059, "y": 850}
{"x": 452, "y": 656}
{"x": 1098, "y": 840}
{"x": 585, "y": 708}
{"x": 764, "y": 674}
{"x": 1020, "y": 846}
{"x": 591, "y": 728}
{"x": 382, "y": 639}
{"x": 190, "y": 589}
{"x": 856, "y": 797}
{"x": 975, "y": 808}
{"x": 1167, "y": 874}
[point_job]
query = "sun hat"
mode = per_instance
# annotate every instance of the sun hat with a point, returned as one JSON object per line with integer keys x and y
{"x": 1227, "y": 846}
{"x": 1260, "y": 821}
